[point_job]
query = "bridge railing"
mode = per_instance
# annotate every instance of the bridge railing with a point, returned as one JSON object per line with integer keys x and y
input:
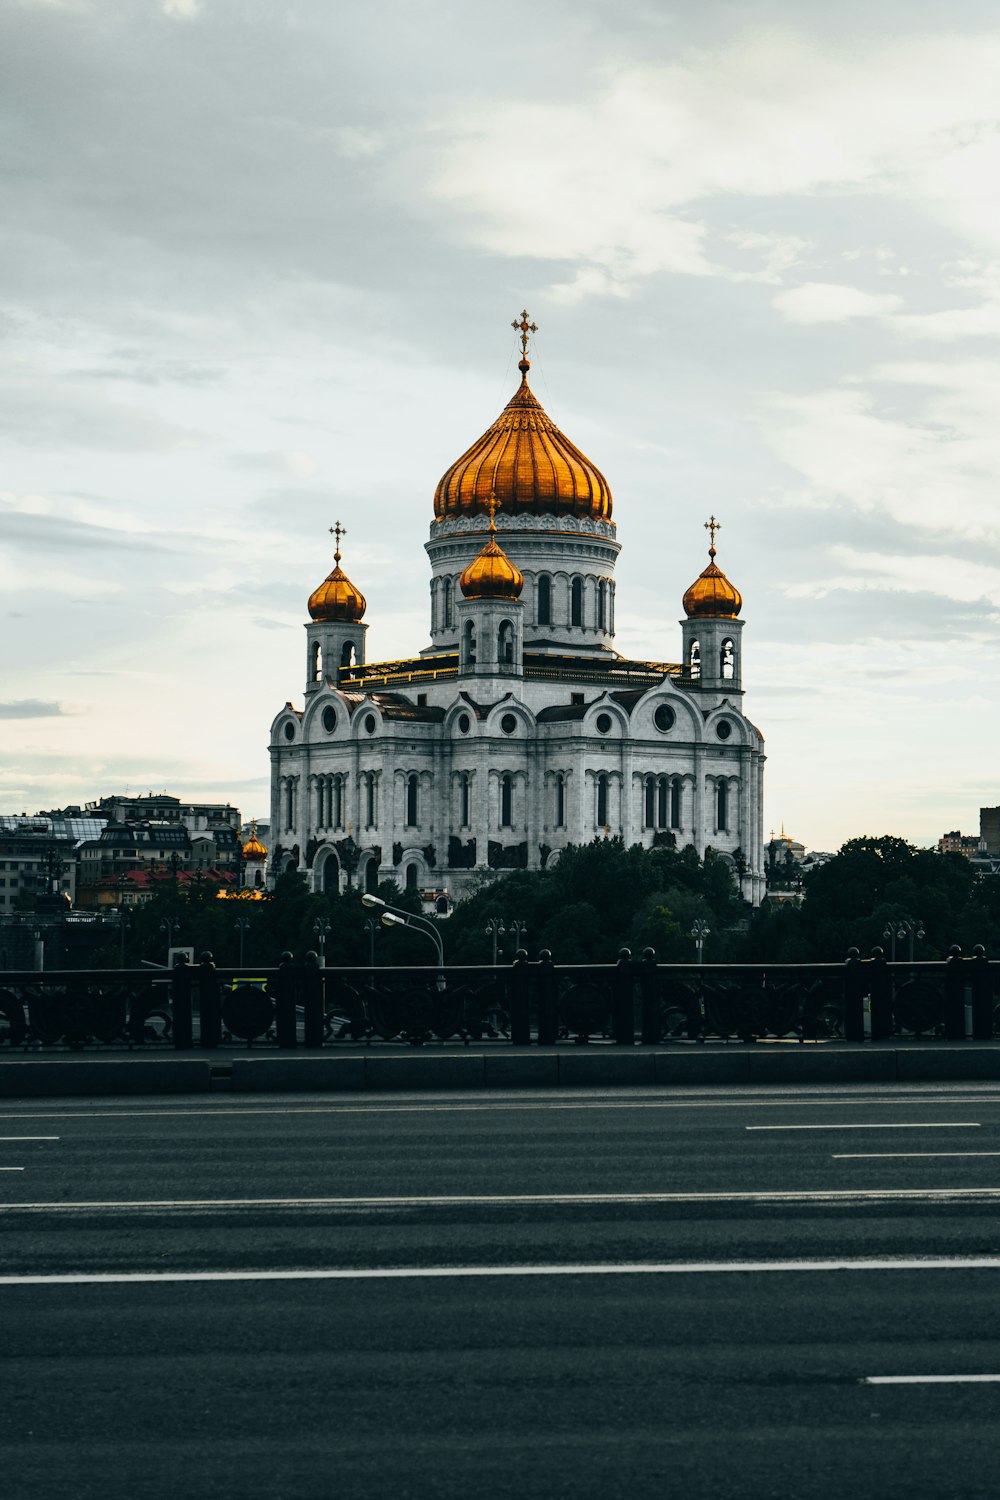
{"x": 299, "y": 1004}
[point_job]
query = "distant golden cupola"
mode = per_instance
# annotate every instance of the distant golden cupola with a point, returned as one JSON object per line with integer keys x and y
{"x": 526, "y": 462}
{"x": 492, "y": 575}
{"x": 337, "y": 598}
{"x": 712, "y": 596}
{"x": 253, "y": 848}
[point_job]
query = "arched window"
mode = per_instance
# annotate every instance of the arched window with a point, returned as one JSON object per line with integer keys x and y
{"x": 412, "y": 799}
{"x": 331, "y": 875}
{"x": 463, "y": 798}
{"x": 560, "y": 808}
{"x": 694, "y": 660}
{"x": 727, "y": 661}
{"x": 337, "y": 812}
{"x": 315, "y": 662}
{"x": 371, "y": 800}
{"x": 722, "y": 806}
{"x": 602, "y": 799}
{"x": 258, "y": 878}
{"x": 371, "y": 877}
{"x": 576, "y": 602}
{"x": 320, "y": 803}
{"x": 506, "y": 800}
{"x": 505, "y": 644}
{"x": 469, "y": 645}
{"x": 649, "y": 812}
{"x": 661, "y": 802}
{"x": 675, "y": 804}
{"x": 602, "y": 605}
{"x": 448, "y": 603}
{"x": 411, "y": 877}
{"x": 347, "y": 657}
{"x": 545, "y": 600}
{"x": 289, "y": 805}
{"x": 611, "y": 609}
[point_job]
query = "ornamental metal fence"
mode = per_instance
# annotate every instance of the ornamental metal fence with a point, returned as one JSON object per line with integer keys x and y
{"x": 635, "y": 1001}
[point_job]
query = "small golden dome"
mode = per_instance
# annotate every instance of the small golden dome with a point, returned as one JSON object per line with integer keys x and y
{"x": 526, "y": 462}
{"x": 253, "y": 848}
{"x": 712, "y": 596}
{"x": 337, "y": 598}
{"x": 492, "y": 575}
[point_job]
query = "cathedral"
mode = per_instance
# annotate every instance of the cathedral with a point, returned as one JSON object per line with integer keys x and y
{"x": 519, "y": 729}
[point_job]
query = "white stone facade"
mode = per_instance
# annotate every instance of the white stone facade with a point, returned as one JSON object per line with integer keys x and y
{"x": 517, "y": 731}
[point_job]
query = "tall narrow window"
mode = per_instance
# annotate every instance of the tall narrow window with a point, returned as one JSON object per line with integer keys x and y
{"x": 448, "y": 603}
{"x": 722, "y": 807}
{"x": 316, "y": 662}
{"x": 337, "y": 811}
{"x": 289, "y": 805}
{"x": 370, "y": 803}
{"x": 320, "y": 808}
{"x": 675, "y": 804}
{"x": 649, "y": 801}
{"x": 347, "y": 657}
{"x": 505, "y": 644}
{"x": 694, "y": 660}
{"x": 411, "y": 877}
{"x": 463, "y": 799}
{"x": 545, "y": 600}
{"x": 661, "y": 802}
{"x": 602, "y": 800}
{"x": 506, "y": 800}
{"x": 727, "y": 661}
{"x": 602, "y": 605}
{"x": 560, "y": 808}
{"x": 412, "y": 799}
{"x": 469, "y": 645}
{"x": 576, "y": 602}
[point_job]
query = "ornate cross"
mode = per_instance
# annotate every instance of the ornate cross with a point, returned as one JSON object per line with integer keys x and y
{"x": 338, "y": 531}
{"x": 493, "y": 505}
{"x": 526, "y": 328}
{"x": 713, "y": 526}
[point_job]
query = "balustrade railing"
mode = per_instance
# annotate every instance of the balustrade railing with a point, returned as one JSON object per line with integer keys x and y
{"x": 633, "y": 1001}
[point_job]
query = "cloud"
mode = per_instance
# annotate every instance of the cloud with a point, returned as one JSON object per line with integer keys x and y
{"x": 31, "y": 708}
{"x": 828, "y": 302}
{"x": 957, "y": 578}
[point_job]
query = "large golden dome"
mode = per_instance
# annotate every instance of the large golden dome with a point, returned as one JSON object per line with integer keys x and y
{"x": 492, "y": 575}
{"x": 527, "y": 463}
{"x": 337, "y": 598}
{"x": 712, "y": 596}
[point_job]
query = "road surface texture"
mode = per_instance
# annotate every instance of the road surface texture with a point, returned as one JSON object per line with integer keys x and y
{"x": 721, "y": 1293}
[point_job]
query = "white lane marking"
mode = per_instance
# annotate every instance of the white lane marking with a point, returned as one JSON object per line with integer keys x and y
{"x": 11, "y": 1169}
{"x": 880, "y": 1125}
{"x": 902, "y": 1155}
{"x": 29, "y": 1137}
{"x": 399, "y": 1273}
{"x": 497, "y": 1200}
{"x": 486, "y": 1106}
{"x": 928, "y": 1379}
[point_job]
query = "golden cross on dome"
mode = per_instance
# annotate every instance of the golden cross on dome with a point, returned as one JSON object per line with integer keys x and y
{"x": 713, "y": 526}
{"x": 493, "y": 505}
{"x": 338, "y": 531}
{"x": 526, "y": 328}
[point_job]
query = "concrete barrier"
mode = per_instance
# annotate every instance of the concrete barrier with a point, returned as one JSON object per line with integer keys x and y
{"x": 954, "y": 1063}
{"x": 31, "y": 1078}
{"x": 319, "y": 1075}
{"x": 699, "y": 1065}
{"x": 603, "y": 1067}
{"x": 425, "y": 1070}
{"x": 520, "y": 1069}
{"x": 811, "y": 1064}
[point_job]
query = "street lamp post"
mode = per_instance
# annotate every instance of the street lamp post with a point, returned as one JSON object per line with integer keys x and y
{"x": 371, "y": 927}
{"x": 517, "y": 930}
{"x": 321, "y": 927}
{"x": 169, "y": 926}
{"x": 903, "y": 929}
{"x": 495, "y": 929}
{"x": 242, "y": 925}
{"x": 391, "y": 916}
{"x": 699, "y": 931}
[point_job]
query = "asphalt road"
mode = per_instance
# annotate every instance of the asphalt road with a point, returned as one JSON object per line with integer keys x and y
{"x": 732, "y": 1293}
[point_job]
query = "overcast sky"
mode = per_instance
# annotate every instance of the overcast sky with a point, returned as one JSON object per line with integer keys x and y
{"x": 258, "y": 264}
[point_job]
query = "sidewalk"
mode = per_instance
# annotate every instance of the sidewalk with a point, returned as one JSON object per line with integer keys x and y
{"x": 359, "y": 1069}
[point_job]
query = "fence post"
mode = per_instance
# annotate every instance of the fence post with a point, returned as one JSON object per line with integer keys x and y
{"x": 180, "y": 1003}
{"x": 649, "y": 987}
{"x": 954, "y": 995}
{"x": 548, "y": 1006}
{"x": 622, "y": 1002}
{"x": 284, "y": 1003}
{"x": 209, "y": 1008}
{"x": 854, "y": 998}
{"x": 520, "y": 1001}
{"x": 982, "y": 996}
{"x": 881, "y": 997}
{"x": 313, "y": 1006}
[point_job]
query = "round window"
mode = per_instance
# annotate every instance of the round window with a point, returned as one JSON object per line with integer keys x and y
{"x": 329, "y": 719}
{"x": 508, "y": 723}
{"x": 664, "y": 718}
{"x": 603, "y": 723}
{"x": 289, "y": 731}
{"x": 724, "y": 730}
{"x": 371, "y": 724}
{"x": 464, "y": 723}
